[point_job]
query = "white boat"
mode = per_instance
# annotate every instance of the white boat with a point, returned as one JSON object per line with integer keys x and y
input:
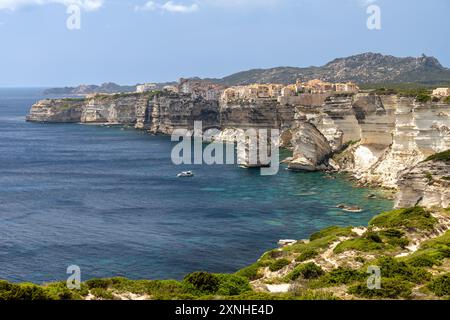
{"x": 185, "y": 174}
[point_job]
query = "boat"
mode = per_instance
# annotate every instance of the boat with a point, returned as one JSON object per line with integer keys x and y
{"x": 185, "y": 174}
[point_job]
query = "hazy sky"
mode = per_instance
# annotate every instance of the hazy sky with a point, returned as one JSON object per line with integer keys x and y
{"x": 131, "y": 41}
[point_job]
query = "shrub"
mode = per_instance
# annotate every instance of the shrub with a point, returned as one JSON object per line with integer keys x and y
{"x": 101, "y": 293}
{"x": 440, "y": 285}
{"x": 331, "y": 231}
{"x": 23, "y": 291}
{"x": 232, "y": 285}
{"x": 390, "y": 288}
{"x": 307, "y": 255}
{"x": 423, "y": 97}
{"x": 340, "y": 276}
{"x": 358, "y": 244}
{"x": 416, "y": 217}
{"x": 442, "y": 156}
{"x": 391, "y": 268}
{"x": 373, "y": 236}
{"x": 98, "y": 283}
{"x": 201, "y": 283}
{"x": 306, "y": 271}
{"x": 59, "y": 291}
{"x": 422, "y": 261}
{"x": 250, "y": 272}
{"x": 278, "y": 264}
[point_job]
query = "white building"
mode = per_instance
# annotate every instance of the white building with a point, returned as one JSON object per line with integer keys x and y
{"x": 441, "y": 92}
{"x": 146, "y": 87}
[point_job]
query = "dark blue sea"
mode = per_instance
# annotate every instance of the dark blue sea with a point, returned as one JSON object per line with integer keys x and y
{"x": 108, "y": 200}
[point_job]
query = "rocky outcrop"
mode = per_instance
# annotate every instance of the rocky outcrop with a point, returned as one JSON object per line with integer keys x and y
{"x": 311, "y": 148}
{"x": 61, "y": 110}
{"x": 426, "y": 184}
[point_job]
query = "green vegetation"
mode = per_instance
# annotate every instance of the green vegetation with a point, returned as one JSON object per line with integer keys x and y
{"x": 387, "y": 233}
{"x": 392, "y": 268}
{"x": 431, "y": 252}
{"x": 74, "y": 99}
{"x": 332, "y": 231}
{"x": 305, "y": 271}
{"x": 250, "y": 272}
{"x": 278, "y": 264}
{"x": 390, "y": 289}
{"x": 359, "y": 244}
{"x": 339, "y": 276}
{"x": 201, "y": 283}
{"x": 447, "y": 100}
{"x": 442, "y": 156}
{"x": 441, "y": 285}
{"x": 308, "y": 254}
{"x": 423, "y": 97}
{"x": 417, "y": 218}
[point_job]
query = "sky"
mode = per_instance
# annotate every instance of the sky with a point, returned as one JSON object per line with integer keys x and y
{"x": 137, "y": 41}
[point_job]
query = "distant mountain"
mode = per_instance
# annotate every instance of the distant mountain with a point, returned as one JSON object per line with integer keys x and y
{"x": 366, "y": 68}
{"x": 109, "y": 87}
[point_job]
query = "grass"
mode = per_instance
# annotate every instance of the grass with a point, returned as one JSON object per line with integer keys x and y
{"x": 308, "y": 254}
{"x": 278, "y": 264}
{"x": 390, "y": 289}
{"x": 338, "y": 277}
{"x": 332, "y": 231}
{"x": 416, "y": 218}
{"x": 442, "y": 156}
{"x": 305, "y": 271}
{"x": 431, "y": 252}
{"x": 359, "y": 244}
{"x": 440, "y": 286}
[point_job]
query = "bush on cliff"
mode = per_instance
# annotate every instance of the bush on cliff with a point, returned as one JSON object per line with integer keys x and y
{"x": 98, "y": 283}
{"x": 392, "y": 268}
{"x": 201, "y": 283}
{"x": 440, "y": 285}
{"x": 278, "y": 264}
{"x": 390, "y": 289}
{"x": 251, "y": 272}
{"x": 232, "y": 285}
{"x": 305, "y": 271}
{"x": 423, "y": 97}
{"x": 332, "y": 231}
{"x": 339, "y": 276}
{"x": 23, "y": 291}
{"x": 442, "y": 156}
{"x": 431, "y": 252}
{"x": 416, "y": 217}
{"x": 307, "y": 255}
{"x": 359, "y": 244}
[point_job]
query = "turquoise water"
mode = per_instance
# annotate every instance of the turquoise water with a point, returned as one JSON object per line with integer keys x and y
{"x": 108, "y": 200}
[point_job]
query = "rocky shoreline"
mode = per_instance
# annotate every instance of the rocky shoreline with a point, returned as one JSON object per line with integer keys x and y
{"x": 377, "y": 138}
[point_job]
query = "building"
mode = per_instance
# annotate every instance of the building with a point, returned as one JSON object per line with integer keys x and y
{"x": 173, "y": 89}
{"x": 200, "y": 88}
{"x": 441, "y": 92}
{"x": 146, "y": 87}
{"x": 346, "y": 87}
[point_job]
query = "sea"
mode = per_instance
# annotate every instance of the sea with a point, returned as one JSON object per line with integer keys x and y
{"x": 107, "y": 199}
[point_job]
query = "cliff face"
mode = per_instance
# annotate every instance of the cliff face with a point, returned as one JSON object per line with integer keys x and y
{"x": 373, "y": 137}
{"x": 425, "y": 184}
{"x": 56, "y": 111}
